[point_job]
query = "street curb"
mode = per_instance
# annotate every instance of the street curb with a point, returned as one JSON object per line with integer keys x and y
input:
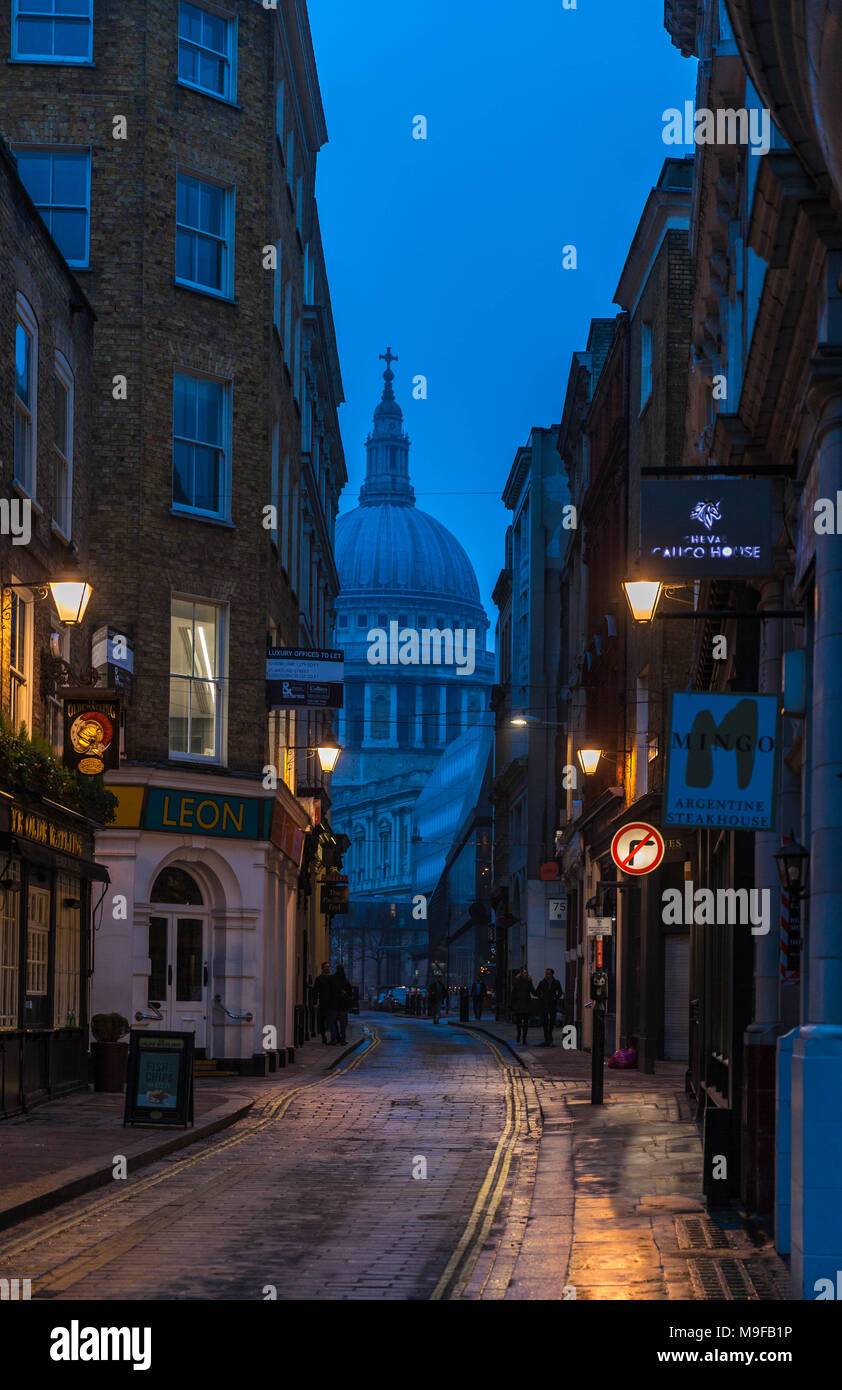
{"x": 364, "y": 1037}
{"x": 475, "y": 1028}
{"x": 100, "y": 1177}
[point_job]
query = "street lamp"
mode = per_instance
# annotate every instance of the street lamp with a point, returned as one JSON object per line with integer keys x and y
{"x": 589, "y": 760}
{"x": 791, "y": 860}
{"x": 70, "y": 593}
{"x": 328, "y": 756}
{"x": 642, "y": 596}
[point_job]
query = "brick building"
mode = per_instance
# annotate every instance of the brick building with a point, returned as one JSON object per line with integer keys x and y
{"x": 47, "y": 874}
{"x": 172, "y": 148}
{"x": 624, "y": 415}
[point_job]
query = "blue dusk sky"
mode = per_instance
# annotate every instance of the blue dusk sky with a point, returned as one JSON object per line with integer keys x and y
{"x": 544, "y": 129}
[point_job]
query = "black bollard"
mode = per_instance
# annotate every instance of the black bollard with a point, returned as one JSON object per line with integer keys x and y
{"x": 599, "y": 992}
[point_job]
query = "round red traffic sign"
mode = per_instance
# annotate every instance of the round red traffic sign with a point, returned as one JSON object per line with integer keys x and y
{"x": 637, "y": 848}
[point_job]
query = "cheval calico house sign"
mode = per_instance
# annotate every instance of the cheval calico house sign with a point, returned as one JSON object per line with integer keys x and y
{"x": 706, "y": 529}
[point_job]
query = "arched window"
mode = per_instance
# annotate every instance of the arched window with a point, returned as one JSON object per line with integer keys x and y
{"x": 176, "y": 886}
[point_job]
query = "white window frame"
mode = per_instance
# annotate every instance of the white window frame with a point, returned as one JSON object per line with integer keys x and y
{"x": 67, "y": 951}
{"x": 183, "y": 508}
{"x": 25, "y": 317}
{"x": 63, "y": 523}
{"x": 10, "y": 948}
{"x": 219, "y": 757}
{"x": 21, "y": 10}
{"x": 227, "y": 290}
{"x": 85, "y": 150}
{"x": 229, "y": 95}
{"x": 21, "y": 674}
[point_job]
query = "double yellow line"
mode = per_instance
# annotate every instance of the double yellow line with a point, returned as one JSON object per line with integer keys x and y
{"x": 275, "y": 1110}
{"x": 462, "y": 1262}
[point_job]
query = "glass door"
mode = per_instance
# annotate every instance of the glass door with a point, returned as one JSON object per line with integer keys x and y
{"x": 178, "y": 980}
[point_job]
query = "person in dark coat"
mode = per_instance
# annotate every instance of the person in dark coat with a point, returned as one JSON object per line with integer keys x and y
{"x": 434, "y": 999}
{"x": 322, "y": 996}
{"x": 550, "y": 995}
{"x": 343, "y": 996}
{"x": 478, "y": 997}
{"x": 523, "y": 1003}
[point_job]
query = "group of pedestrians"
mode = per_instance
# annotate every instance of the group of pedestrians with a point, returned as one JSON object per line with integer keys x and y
{"x": 333, "y": 996}
{"x": 547, "y": 1000}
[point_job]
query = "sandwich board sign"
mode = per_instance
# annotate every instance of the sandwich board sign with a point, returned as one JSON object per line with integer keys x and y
{"x": 159, "y": 1079}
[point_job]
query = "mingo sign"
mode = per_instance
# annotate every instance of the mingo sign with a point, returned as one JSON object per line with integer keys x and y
{"x": 706, "y": 529}
{"x": 722, "y": 761}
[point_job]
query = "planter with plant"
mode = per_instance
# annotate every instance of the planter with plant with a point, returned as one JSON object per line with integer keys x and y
{"x": 108, "y": 1053}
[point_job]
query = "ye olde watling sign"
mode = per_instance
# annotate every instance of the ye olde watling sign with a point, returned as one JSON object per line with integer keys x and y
{"x": 706, "y": 529}
{"x": 92, "y": 734}
{"x": 33, "y": 827}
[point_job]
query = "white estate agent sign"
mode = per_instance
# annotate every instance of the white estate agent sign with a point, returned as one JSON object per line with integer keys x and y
{"x": 722, "y": 761}
{"x": 297, "y": 676}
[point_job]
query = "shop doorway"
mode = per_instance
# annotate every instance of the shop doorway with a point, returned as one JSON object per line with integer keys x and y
{"x": 178, "y": 953}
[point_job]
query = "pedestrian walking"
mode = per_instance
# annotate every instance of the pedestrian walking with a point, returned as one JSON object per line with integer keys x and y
{"x": 523, "y": 1003}
{"x": 551, "y": 997}
{"x": 344, "y": 995}
{"x": 323, "y": 996}
{"x": 434, "y": 999}
{"x": 478, "y": 997}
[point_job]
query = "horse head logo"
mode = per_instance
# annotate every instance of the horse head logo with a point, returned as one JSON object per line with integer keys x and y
{"x": 707, "y": 513}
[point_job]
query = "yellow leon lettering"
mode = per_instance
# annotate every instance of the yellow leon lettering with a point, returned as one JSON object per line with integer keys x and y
{"x": 201, "y": 821}
{"x": 165, "y": 818}
{"x": 185, "y": 819}
{"x": 236, "y": 820}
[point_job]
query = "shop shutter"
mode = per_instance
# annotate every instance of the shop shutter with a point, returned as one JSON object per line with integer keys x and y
{"x": 676, "y": 996}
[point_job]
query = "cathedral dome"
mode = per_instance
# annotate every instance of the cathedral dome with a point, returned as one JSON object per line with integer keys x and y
{"x": 386, "y": 546}
{"x": 394, "y": 549}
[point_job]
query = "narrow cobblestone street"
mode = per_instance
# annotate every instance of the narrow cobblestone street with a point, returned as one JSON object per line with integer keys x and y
{"x": 319, "y": 1191}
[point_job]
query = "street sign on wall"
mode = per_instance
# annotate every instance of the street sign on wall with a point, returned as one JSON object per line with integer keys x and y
{"x": 297, "y": 677}
{"x": 705, "y": 529}
{"x": 638, "y": 848}
{"x": 722, "y": 761}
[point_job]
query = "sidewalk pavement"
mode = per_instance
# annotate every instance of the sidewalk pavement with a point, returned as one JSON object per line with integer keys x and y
{"x": 615, "y": 1208}
{"x": 69, "y": 1146}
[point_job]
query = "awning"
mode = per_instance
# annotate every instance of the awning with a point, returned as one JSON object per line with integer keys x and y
{"x": 53, "y": 859}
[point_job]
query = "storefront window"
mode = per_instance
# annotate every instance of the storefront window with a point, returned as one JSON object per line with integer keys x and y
{"x": 37, "y": 941}
{"x": 67, "y": 952}
{"x": 9, "y": 944}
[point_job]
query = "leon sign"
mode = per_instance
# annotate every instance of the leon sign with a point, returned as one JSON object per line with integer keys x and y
{"x": 722, "y": 761}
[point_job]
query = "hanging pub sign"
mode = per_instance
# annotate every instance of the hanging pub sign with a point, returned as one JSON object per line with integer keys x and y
{"x": 335, "y": 897}
{"x": 92, "y": 733}
{"x": 705, "y": 529}
{"x": 722, "y": 761}
{"x": 299, "y": 677}
{"x": 159, "y": 1079}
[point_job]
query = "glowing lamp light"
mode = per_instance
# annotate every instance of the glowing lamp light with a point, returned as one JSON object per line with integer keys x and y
{"x": 520, "y": 722}
{"x": 71, "y": 598}
{"x": 642, "y": 596}
{"x": 589, "y": 760}
{"x": 328, "y": 756}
